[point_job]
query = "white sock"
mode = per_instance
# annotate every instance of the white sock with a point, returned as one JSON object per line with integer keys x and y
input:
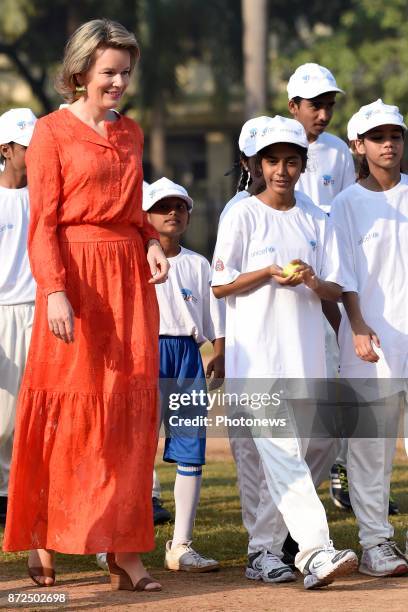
{"x": 186, "y": 497}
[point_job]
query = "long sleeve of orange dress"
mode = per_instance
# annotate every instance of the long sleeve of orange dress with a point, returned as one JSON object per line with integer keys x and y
{"x": 44, "y": 174}
{"x": 86, "y": 424}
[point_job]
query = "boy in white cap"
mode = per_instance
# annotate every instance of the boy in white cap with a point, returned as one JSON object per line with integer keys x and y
{"x": 17, "y": 287}
{"x": 189, "y": 315}
{"x": 255, "y": 240}
{"x": 370, "y": 219}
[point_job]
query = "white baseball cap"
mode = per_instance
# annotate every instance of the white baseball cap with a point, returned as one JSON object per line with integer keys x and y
{"x": 352, "y": 133}
{"x": 17, "y": 125}
{"x": 265, "y": 131}
{"x": 249, "y": 131}
{"x": 311, "y": 80}
{"x": 375, "y": 114}
{"x": 164, "y": 188}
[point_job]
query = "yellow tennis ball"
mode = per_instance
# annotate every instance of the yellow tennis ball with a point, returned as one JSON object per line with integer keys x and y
{"x": 290, "y": 269}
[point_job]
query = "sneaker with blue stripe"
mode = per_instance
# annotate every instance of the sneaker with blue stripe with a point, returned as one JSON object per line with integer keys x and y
{"x": 266, "y": 566}
{"x": 327, "y": 564}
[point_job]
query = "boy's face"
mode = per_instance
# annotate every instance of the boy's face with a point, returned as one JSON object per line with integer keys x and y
{"x": 281, "y": 168}
{"x": 314, "y": 114}
{"x": 383, "y": 146}
{"x": 14, "y": 155}
{"x": 170, "y": 216}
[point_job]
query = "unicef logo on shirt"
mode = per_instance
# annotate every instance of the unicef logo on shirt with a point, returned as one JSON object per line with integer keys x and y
{"x": 328, "y": 179}
{"x": 188, "y": 295}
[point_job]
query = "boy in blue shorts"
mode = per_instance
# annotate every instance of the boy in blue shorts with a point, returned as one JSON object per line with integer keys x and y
{"x": 189, "y": 315}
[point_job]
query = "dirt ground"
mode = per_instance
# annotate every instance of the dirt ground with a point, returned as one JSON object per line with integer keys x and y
{"x": 227, "y": 590}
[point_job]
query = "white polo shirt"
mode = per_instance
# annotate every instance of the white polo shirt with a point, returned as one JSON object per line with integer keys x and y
{"x": 186, "y": 302}
{"x": 273, "y": 330}
{"x": 17, "y": 285}
{"x": 329, "y": 170}
{"x": 372, "y": 234}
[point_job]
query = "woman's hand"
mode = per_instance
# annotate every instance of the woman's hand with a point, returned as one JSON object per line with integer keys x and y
{"x": 158, "y": 264}
{"x": 61, "y": 316}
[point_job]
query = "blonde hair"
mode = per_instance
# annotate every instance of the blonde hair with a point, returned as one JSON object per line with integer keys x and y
{"x": 81, "y": 48}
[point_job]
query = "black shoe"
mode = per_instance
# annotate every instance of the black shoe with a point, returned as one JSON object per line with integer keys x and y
{"x": 392, "y": 506}
{"x": 160, "y": 514}
{"x": 339, "y": 491}
{"x": 290, "y": 549}
{"x": 3, "y": 510}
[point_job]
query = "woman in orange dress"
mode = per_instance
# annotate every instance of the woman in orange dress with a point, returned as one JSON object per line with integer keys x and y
{"x": 86, "y": 430}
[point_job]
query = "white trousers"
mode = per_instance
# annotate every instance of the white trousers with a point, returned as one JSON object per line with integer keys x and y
{"x": 292, "y": 504}
{"x": 369, "y": 469}
{"x": 15, "y": 333}
{"x": 156, "y": 489}
{"x": 260, "y": 516}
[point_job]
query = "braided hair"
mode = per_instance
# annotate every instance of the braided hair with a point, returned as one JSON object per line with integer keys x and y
{"x": 245, "y": 179}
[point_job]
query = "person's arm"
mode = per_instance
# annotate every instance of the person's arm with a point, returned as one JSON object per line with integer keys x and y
{"x": 251, "y": 280}
{"x": 44, "y": 184}
{"x": 333, "y": 315}
{"x": 326, "y": 290}
{"x": 216, "y": 364}
{"x": 363, "y": 336}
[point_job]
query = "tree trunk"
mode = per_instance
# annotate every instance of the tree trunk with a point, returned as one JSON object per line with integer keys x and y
{"x": 158, "y": 141}
{"x": 254, "y": 17}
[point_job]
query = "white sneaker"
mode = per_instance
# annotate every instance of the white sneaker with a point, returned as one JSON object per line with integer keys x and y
{"x": 186, "y": 559}
{"x": 101, "y": 561}
{"x": 327, "y": 564}
{"x": 266, "y": 566}
{"x": 383, "y": 560}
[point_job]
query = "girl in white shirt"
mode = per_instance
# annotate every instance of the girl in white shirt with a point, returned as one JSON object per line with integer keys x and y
{"x": 273, "y": 314}
{"x": 371, "y": 221}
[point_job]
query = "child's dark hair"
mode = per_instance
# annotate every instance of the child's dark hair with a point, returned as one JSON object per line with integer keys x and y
{"x": 245, "y": 179}
{"x": 301, "y": 151}
{"x": 297, "y": 100}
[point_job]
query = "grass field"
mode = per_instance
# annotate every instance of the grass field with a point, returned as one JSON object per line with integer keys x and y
{"x": 219, "y": 532}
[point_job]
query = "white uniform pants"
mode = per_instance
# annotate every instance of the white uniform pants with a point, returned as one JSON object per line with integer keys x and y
{"x": 295, "y": 502}
{"x": 369, "y": 468}
{"x": 15, "y": 332}
{"x": 260, "y": 516}
{"x": 156, "y": 489}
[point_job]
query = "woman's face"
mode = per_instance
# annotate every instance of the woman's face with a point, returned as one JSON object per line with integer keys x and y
{"x": 107, "y": 80}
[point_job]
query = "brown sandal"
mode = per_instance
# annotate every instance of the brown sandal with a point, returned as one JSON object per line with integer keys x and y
{"x": 45, "y": 572}
{"x": 121, "y": 581}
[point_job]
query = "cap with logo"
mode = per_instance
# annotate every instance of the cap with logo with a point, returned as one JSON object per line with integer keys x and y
{"x": 375, "y": 114}
{"x": 164, "y": 188}
{"x": 311, "y": 80}
{"x": 265, "y": 131}
{"x": 17, "y": 125}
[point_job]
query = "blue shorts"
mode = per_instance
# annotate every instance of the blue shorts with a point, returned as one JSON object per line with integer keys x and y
{"x": 182, "y": 372}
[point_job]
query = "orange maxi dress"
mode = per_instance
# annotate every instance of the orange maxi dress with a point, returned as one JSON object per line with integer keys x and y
{"x": 85, "y": 435}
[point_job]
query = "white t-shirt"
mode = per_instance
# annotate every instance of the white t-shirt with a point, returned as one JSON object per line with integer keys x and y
{"x": 329, "y": 170}
{"x": 273, "y": 330}
{"x": 238, "y": 197}
{"x": 372, "y": 234}
{"x": 186, "y": 302}
{"x": 17, "y": 285}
